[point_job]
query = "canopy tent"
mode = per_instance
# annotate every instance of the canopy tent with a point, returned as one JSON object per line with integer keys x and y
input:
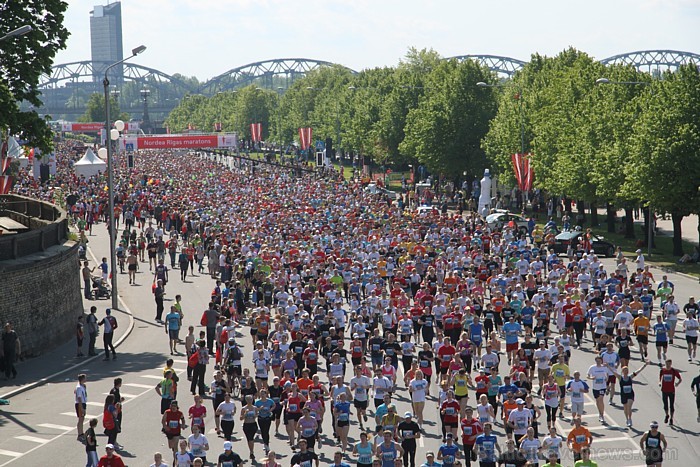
{"x": 89, "y": 164}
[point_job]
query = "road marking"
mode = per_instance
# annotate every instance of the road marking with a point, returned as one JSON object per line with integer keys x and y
{"x": 33, "y": 439}
{"x": 3, "y": 452}
{"x": 96, "y": 404}
{"x": 56, "y": 427}
{"x": 159, "y": 378}
{"x": 605, "y": 439}
{"x": 72, "y": 414}
{"x": 142, "y": 386}
{"x": 125, "y": 395}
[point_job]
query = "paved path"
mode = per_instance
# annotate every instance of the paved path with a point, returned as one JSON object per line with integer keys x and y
{"x": 38, "y": 428}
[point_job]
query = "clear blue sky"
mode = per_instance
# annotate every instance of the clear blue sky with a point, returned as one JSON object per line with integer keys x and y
{"x": 204, "y": 38}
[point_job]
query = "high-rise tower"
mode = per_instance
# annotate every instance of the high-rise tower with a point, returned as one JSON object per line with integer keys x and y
{"x": 106, "y": 39}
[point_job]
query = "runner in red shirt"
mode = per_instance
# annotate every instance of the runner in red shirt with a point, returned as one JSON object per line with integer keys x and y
{"x": 471, "y": 428}
{"x": 449, "y": 410}
{"x": 669, "y": 379}
{"x": 446, "y": 354}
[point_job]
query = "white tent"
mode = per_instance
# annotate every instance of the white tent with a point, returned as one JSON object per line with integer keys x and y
{"x": 90, "y": 164}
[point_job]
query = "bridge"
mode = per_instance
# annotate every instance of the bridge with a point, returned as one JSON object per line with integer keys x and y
{"x": 67, "y": 89}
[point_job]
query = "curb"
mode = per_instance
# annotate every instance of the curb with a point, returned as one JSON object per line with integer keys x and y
{"x": 46, "y": 379}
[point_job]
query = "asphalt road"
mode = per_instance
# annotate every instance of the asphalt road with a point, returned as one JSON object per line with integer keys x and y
{"x": 38, "y": 428}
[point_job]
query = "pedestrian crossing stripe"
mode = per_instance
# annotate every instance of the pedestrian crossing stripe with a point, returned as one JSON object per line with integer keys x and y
{"x": 159, "y": 378}
{"x": 33, "y": 439}
{"x": 56, "y": 427}
{"x": 72, "y": 414}
{"x": 4, "y": 452}
{"x": 136, "y": 385}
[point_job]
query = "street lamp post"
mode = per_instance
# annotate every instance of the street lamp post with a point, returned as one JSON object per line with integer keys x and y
{"x": 110, "y": 178}
{"x": 650, "y": 221}
{"x": 146, "y": 119}
{"x": 20, "y": 31}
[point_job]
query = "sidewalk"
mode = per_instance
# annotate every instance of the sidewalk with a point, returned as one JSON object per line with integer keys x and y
{"x": 39, "y": 370}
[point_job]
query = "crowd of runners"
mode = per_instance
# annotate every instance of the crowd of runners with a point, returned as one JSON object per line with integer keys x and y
{"x": 332, "y": 303}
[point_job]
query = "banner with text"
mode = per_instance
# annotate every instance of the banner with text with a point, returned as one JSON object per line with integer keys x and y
{"x": 130, "y": 143}
{"x": 93, "y": 127}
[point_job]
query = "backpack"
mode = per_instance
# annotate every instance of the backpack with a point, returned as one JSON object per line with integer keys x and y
{"x": 235, "y": 354}
{"x": 193, "y": 360}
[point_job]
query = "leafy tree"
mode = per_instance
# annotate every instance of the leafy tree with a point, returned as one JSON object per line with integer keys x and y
{"x": 664, "y": 165}
{"x": 445, "y": 130}
{"x": 23, "y": 59}
{"x": 95, "y": 110}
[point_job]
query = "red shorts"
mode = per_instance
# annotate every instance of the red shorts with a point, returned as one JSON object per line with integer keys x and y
{"x": 511, "y": 347}
{"x": 612, "y": 379}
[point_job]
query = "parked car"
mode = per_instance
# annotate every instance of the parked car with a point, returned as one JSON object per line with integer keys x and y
{"x": 601, "y": 246}
{"x": 375, "y": 189}
{"x": 502, "y": 217}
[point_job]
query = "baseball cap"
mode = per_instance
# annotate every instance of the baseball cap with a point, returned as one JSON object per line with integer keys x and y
{"x": 519, "y": 401}
{"x": 654, "y": 424}
{"x": 408, "y": 415}
{"x": 227, "y": 445}
{"x": 110, "y": 446}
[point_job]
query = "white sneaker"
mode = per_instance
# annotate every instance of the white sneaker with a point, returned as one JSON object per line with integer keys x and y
{"x": 601, "y": 419}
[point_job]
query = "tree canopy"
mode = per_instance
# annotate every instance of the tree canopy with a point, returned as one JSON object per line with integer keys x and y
{"x": 23, "y": 59}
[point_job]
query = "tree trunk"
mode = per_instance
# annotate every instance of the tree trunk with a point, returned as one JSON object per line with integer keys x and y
{"x": 594, "y": 214}
{"x": 581, "y": 217}
{"x": 567, "y": 205}
{"x": 629, "y": 222}
{"x": 677, "y": 239}
{"x": 610, "y": 218}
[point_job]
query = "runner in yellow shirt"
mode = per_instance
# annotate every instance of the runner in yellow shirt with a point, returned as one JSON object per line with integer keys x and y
{"x": 560, "y": 371}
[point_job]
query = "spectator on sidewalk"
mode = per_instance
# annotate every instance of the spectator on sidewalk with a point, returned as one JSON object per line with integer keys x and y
{"x": 110, "y": 325}
{"x": 11, "y": 348}
{"x": 93, "y": 329}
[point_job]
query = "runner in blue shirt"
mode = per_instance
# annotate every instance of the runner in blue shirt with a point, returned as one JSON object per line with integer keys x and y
{"x": 172, "y": 328}
{"x": 448, "y": 452}
{"x": 512, "y": 330}
{"x": 487, "y": 445}
{"x": 661, "y": 332}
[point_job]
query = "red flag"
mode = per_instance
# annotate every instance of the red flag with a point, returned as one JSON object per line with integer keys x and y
{"x": 523, "y": 171}
{"x": 305, "y": 137}
{"x": 30, "y": 156}
{"x": 5, "y": 184}
{"x": 529, "y": 174}
{"x": 4, "y": 158}
{"x": 256, "y": 132}
{"x": 518, "y": 168}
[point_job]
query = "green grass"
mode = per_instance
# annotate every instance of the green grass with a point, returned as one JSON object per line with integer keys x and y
{"x": 662, "y": 256}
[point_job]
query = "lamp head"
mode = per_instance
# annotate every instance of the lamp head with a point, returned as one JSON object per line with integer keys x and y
{"x": 481, "y": 84}
{"x": 138, "y": 50}
{"x": 602, "y": 81}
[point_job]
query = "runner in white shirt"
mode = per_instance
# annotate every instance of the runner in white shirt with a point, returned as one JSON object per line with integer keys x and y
{"x": 360, "y": 385}
{"x": 198, "y": 443}
{"x": 520, "y": 419}
{"x": 577, "y": 388}
{"x": 599, "y": 374}
{"x": 80, "y": 404}
{"x": 690, "y": 327}
{"x": 671, "y": 311}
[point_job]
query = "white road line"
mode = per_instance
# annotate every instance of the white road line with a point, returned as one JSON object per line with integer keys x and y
{"x": 124, "y": 395}
{"x": 136, "y": 385}
{"x": 605, "y": 439}
{"x": 65, "y": 429}
{"x": 159, "y": 378}
{"x": 56, "y": 427}
{"x": 33, "y": 439}
{"x": 72, "y": 414}
{"x": 96, "y": 404}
